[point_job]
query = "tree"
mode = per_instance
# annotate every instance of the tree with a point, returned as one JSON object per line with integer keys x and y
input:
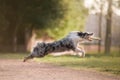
{"x": 101, "y": 4}
{"x": 23, "y": 16}
{"x": 107, "y": 7}
{"x": 74, "y": 19}
{"x": 97, "y": 8}
{"x": 108, "y": 28}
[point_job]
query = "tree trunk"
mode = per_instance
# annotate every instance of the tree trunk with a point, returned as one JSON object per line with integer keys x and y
{"x": 15, "y": 40}
{"x": 12, "y": 34}
{"x": 108, "y": 28}
{"x": 17, "y": 24}
{"x": 28, "y": 36}
{"x": 100, "y": 28}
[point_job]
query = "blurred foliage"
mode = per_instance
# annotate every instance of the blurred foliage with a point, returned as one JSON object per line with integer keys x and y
{"x": 116, "y": 3}
{"x": 55, "y": 17}
{"x": 37, "y": 12}
{"x": 20, "y": 17}
{"x": 73, "y": 19}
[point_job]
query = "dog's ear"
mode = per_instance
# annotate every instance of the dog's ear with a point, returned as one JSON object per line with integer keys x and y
{"x": 79, "y": 34}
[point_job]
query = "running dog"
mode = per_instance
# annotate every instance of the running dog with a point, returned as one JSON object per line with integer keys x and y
{"x": 70, "y": 42}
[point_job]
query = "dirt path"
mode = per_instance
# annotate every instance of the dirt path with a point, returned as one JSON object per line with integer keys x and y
{"x": 17, "y": 70}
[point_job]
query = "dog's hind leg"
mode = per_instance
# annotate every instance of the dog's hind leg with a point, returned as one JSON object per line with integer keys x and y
{"x": 28, "y": 57}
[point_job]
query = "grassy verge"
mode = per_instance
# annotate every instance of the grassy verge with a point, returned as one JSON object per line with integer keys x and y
{"x": 12, "y": 55}
{"x": 100, "y": 62}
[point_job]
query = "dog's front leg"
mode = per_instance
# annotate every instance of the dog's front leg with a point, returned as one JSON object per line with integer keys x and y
{"x": 28, "y": 57}
{"x": 80, "y": 52}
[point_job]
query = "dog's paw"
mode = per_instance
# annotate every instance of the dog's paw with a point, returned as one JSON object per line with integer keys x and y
{"x": 83, "y": 53}
{"x": 24, "y": 60}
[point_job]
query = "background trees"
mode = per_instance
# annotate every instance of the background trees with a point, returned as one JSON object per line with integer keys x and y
{"x": 19, "y": 19}
{"x": 105, "y": 10}
{"x": 74, "y": 19}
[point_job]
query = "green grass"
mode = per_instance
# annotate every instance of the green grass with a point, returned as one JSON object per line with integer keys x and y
{"x": 12, "y": 55}
{"x": 99, "y": 62}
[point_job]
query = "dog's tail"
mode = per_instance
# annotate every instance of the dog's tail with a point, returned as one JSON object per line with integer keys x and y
{"x": 28, "y": 57}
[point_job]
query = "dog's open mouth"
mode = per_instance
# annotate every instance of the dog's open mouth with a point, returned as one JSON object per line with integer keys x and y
{"x": 90, "y": 38}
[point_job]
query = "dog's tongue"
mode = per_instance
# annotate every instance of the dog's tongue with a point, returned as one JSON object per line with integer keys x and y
{"x": 90, "y": 39}
{"x": 94, "y": 38}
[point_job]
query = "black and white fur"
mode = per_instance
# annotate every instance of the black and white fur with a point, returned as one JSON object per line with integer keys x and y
{"x": 70, "y": 42}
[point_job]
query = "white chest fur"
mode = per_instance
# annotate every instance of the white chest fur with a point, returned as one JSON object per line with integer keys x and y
{"x": 75, "y": 38}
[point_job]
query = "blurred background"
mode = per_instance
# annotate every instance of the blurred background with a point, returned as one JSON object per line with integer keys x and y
{"x": 25, "y": 22}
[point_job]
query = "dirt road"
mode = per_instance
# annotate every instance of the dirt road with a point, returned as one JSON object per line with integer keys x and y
{"x": 17, "y": 70}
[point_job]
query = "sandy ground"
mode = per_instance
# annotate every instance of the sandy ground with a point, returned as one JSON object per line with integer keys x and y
{"x": 18, "y": 70}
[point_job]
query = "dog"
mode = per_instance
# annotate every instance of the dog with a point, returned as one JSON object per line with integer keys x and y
{"x": 70, "y": 42}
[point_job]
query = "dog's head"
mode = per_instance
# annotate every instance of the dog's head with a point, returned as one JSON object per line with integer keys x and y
{"x": 85, "y": 35}
{"x": 38, "y": 50}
